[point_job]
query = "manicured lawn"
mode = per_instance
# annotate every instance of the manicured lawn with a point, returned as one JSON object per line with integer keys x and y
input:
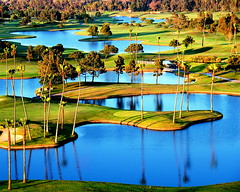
{"x": 94, "y": 114}
{"x": 45, "y": 185}
{"x": 106, "y": 90}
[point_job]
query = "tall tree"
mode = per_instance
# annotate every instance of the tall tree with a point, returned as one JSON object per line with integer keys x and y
{"x": 78, "y": 69}
{"x": 174, "y": 43}
{"x": 108, "y": 49}
{"x": 21, "y": 69}
{"x": 94, "y": 64}
{"x": 106, "y": 30}
{"x": 120, "y": 66}
{"x": 23, "y": 123}
{"x": 213, "y": 68}
{"x": 13, "y": 53}
{"x": 233, "y": 63}
{"x": 6, "y": 52}
{"x": 29, "y": 53}
{"x": 93, "y": 30}
{"x": 132, "y": 69}
{"x": 158, "y": 68}
{"x": 12, "y": 72}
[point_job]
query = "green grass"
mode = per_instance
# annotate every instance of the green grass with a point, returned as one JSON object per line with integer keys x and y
{"x": 45, "y": 185}
{"x": 94, "y": 114}
{"x": 109, "y": 90}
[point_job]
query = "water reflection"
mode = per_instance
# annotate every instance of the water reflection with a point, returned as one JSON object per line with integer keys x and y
{"x": 30, "y": 85}
{"x": 125, "y": 154}
{"x": 69, "y": 39}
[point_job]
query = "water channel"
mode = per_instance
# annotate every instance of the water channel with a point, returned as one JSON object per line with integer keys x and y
{"x": 30, "y": 85}
{"x": 69, "y": 39}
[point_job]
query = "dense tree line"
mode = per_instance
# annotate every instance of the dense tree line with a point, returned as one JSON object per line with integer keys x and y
{"x": 64, "y": 9}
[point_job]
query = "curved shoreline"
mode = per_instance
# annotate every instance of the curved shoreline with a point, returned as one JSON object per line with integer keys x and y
{"x": 134, "y": 124}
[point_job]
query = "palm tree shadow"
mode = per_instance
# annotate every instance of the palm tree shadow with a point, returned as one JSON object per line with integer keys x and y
{"x": 29, "y": 184}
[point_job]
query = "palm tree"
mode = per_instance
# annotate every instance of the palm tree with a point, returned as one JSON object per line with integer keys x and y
{"x": 13, "y": 53}
{"x": 45, "y": 99}
{"x": 158, "y": 68}
{"x": 23, "y": 123}
{"x": 50, "y": 78}
{"x": 11, "y": 72}
{"x": 8, "y": 124}
{"x": 158, "y": 41}
{"x": 63, "y": 68}
{"x": 21, "y": 69}
{"x": 185, "y": 67}
{"x": 213, "y": 68}
{"x": 6, "y": 52}
{"x": 141, "y": 66}
{"x": 78, "y": 69}
{"x": 63, "y": 104}
{"x": 176, "y": 95}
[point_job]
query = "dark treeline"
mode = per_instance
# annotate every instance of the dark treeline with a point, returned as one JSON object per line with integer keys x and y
{"x": 66, "y": 9}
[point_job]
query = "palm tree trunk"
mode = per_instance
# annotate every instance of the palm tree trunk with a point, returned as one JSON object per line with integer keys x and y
{"x": 14, "y": 110}
{"x": 142, "y": 110}
{"x": 182, "y": 97}
{"x": 9, "y": 161}
{"x": 62, "y": 127}
{"x": 188, "y": 92}
{"x": 211, "y": 96}
{"x": 49, "y": 107}
{"x": 59, "y": 110}
{"x": 44, "y": 118}
{"x": 6, "y": 75}
{"x": 176, "y": 96}
{"x": 76, "y": 110}
{"x": 24, "y": 108}
{"x": 24, "y": 155}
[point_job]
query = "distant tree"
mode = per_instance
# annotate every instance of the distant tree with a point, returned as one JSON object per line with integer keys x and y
{"x": 76, "y": 55}
{"x": 29, "y": 53}
{"x": 51, "y": 65}
{"x": 120, "y": 66}
{"x": 132, "y": 69}
{"x": 134, "y": 48}
{"x": 106, "y": 30}
{"x": 57, "y": 49}
{"x": 233, "y": 63}
{"x": 108, "y": 49}
{"x": 227, "y": 25}
{"x": 93, "y": 63}
{"x": 93, "y": 30}
{"x": 188, "y": 40}
{"x": 174, "y": 43}
{"x": 25, "y": 20}
{"x": 158, "y": 68}
{"x": 39, "y": 50}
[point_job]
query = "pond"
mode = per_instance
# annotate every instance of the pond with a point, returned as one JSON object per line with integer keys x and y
{"x": 126, "y": 19}
{"x": 69, "y": 39}
{"x": 30, "y": 85}
{"x": 204, "y": 154}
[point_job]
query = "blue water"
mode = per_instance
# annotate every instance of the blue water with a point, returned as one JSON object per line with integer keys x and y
{"x": 125, "y": 19}
{"x": 30, "y": 85}
{"x": 203, "y": 154}
{"x": 69, "y": 39}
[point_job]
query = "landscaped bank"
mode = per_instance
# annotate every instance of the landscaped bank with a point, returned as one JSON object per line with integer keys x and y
{"x": 46, "y": 185}
{"x": 92, "y": 114}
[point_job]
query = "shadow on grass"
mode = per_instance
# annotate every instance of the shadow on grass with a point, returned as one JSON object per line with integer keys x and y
{"x": 199, "y": 50}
